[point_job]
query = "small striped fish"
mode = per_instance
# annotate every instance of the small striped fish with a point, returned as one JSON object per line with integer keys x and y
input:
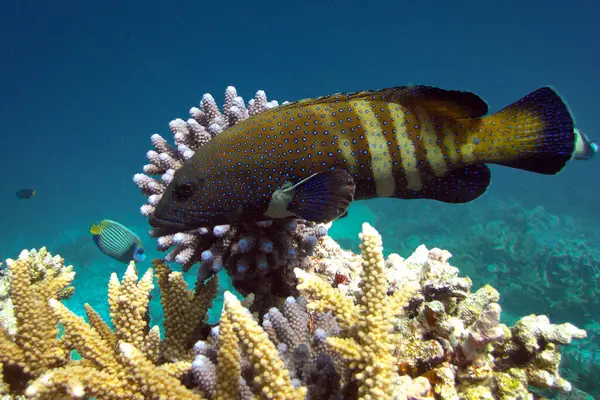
{"x": 118, "y": 242}
{"x": 312, "y": 158}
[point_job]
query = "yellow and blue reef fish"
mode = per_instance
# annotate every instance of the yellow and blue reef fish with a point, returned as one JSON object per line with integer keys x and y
{"x": 313, "y": 157}
{"x": 117, "y": 241}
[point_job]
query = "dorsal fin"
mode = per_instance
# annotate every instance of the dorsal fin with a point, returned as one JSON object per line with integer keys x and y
{"x": 453, "y": 103}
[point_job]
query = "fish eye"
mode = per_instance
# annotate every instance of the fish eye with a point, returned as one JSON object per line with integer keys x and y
{"x": 141, "y": 251}
{"x": 183, "y": 191}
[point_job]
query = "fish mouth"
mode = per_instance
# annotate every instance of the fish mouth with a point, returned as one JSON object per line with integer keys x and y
{"x": 168, "y": 221}
{"x": 165, "y": 226}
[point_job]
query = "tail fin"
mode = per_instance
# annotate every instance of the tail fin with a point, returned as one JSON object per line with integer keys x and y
{"x": 535, "y": 134}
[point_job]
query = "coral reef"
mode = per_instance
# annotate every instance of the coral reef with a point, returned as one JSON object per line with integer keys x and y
{"x": 535, "y": 251}
{"x": 28, "y": 343}
{"x": 554, "y": 258}
{"x": 393, "y": 328}
{"x": 445, "y": 333}
{"x": 581, "y": 366}
{"x": 7, "y": 314}
{"x": 40, "y": 264}
{"x": 545, "y": 261}
{"x": 260, "y": 257}
{"x": 126, "y": 363}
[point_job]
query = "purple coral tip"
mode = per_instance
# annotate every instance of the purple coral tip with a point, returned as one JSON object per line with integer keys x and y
{"x": 246, "y": 244}
{"x": 217, "y": 266}
{"x": 309, "y": 243}
{"x": 261, "y": 262}
{"x": 242, "y": 267}
{"x": 291, "y": 225}
{"x": 220, "y": 230}
{"x": 266, "y": 246}
{"x": 206, "y": 255}
{"x": 321, "y": 230}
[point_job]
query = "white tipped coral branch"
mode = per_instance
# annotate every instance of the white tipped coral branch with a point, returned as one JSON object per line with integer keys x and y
{"x": 260, "y": 257}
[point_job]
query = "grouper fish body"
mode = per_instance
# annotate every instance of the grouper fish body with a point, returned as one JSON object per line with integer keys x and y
{"x": 312, "y": 158}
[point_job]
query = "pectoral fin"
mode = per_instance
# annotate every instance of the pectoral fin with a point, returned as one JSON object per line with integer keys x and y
{"x": 322, "y": 197}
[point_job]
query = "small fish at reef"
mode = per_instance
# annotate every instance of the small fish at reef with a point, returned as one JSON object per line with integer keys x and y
{"x": 25, "y": 194}
{"x": 586, "y": 148}
{"x": 118, "y": 242}
{"x": 311, "y": 158}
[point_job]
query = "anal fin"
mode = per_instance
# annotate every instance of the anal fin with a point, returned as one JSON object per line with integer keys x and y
{"x": 458, "y": 186}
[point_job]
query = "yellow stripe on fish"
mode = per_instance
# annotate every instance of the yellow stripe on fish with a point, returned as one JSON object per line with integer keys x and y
{"x": 313, "y": 157}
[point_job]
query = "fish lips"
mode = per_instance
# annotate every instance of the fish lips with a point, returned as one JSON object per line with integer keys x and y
{"x": 168, "y": 221}
{"x": 165, "y": 226}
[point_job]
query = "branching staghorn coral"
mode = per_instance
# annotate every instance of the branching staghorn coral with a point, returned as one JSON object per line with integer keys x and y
{"x": 31, "y": 346}
{"x": 403, "y": 329}
{"x": 41, "y": 265}
{"x": 395, "y": 328}
{"x": 271, "y": 378}
{"x": 296, "y": 338}
{"x": 124, "y": 363}
{"x": 185, "y": 311}
{"x": 367, "y": 340}
{"x": 120, "y": 364}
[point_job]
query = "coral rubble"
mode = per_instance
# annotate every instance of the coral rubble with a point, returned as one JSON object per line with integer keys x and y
{"x": 391, "y": 329}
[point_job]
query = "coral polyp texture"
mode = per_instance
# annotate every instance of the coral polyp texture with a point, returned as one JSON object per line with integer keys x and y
{"x": 391, "y": 329}
{"x": 259, "y": 256}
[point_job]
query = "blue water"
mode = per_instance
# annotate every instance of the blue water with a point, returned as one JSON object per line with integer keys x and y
{"x": 84, "y": 85}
